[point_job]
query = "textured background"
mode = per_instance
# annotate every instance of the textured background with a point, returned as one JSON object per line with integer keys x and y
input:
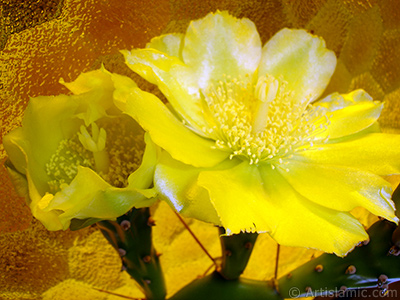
{"x": 42, "y": 41}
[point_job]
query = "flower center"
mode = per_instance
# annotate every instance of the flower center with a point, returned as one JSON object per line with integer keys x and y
{"x": 63, "y": 164}
{"x": 113, "y": 147}
{"x": 261, "y": 123}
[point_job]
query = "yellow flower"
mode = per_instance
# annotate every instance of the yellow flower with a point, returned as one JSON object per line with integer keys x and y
{"x": 248, "y": 147}
{"x": 78, "y": 157}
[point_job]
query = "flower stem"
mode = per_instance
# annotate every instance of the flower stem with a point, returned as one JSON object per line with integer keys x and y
{"x": 236, "y": 251}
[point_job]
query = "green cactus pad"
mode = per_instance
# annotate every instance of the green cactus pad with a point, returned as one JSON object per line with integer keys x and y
{"x": 236, "y": 251}
{"x": 131, "y": 236}
{"x": 215, "y": 287}
{"x": 364, "y": 267}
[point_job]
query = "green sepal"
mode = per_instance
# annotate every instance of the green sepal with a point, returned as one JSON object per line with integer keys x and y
{"x": 361, "y": 268}
{"x": 215, "y": 287}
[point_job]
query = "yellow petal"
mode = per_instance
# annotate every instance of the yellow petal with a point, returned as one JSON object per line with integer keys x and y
{"x": 49, "y": 219}
{"x": 218, "y": 45}
{"x": 14, "y": 144}
{"x": 96, "y": 88}
{"x": 46, "y": 122}
{"x": 376, "y": 152}
{"x": 177, "y": 184}
{"x": 168, "y": 132}
{"x": 301, "y": 59}
{"x": 341, "y": 188}
{"x": 123, "y": 86}
{"x": 350, "y": 113}
{"x": 173, "y": 78}
{"x": 18, "y": 180}
{"x": 258, "y": 198}
{"x": 239, "y": 198}
{"x": 89, "y": 196}
{"x": 142, "y": 178}
{"x": 90, "y": 81}
{"x": 170, "y": 44}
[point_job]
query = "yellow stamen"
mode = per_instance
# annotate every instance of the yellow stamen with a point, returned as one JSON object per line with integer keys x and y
{"x": 261, "y": 123}
{"x": 122, "y": 154}
{"x": 63, "y": 164}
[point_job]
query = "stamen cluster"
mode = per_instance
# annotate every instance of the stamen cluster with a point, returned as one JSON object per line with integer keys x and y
{"x": 261, "y": 123}
{"x": 63, "y": 164}
{"x": 121, "y": 153}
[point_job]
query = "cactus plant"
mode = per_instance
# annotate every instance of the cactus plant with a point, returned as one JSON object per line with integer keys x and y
{"x": 369, "y": 265}
{"x": 131, "y": 236}
{"x": 236, "y": 251}
{"x": 216, "y": 287}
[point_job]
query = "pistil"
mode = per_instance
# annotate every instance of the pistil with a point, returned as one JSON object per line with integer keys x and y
{"x": 96, "y": 143}
{"x": 266, "y": 91}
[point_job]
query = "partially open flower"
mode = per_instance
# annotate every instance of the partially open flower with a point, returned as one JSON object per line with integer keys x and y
{"x": 248, "y": 147}
{"x": 78, "y": 157}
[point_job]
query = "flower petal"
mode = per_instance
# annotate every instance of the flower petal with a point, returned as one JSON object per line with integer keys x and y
{"x": 123, "y": 86}
{"x": 177, "y": 184}
{"x": 96, "y": 88}
{"x": 15, "y": 146}
{"x": 301, "y": 59}
{"x": 89, "y": 196}
{"x": 218, "y": 45}
{"x": 258, "y": 198}
{"x": 18, "y": 180}
{"x": 173, "y": 78}
{"x": 352, "y": 188}
{"x": 47, "y": 121}
{"x": 377, "y": 153}
{"x": 168, "y": 132}
{"x": 350, "y": 113}
{"x": 142, "y": 178}
{"x": 90, "y": 81}
{"x": 170, "y": 44}
{"x": 49, "y": 219}
{"x": 239, "y": 198}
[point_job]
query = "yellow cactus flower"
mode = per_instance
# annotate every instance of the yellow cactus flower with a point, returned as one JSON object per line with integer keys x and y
{"x": 78, "y": 157}
{"x": 246, "y": 145}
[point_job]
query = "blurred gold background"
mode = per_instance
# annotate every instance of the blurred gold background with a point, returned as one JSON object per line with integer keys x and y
{"x": 42, "y": 41}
